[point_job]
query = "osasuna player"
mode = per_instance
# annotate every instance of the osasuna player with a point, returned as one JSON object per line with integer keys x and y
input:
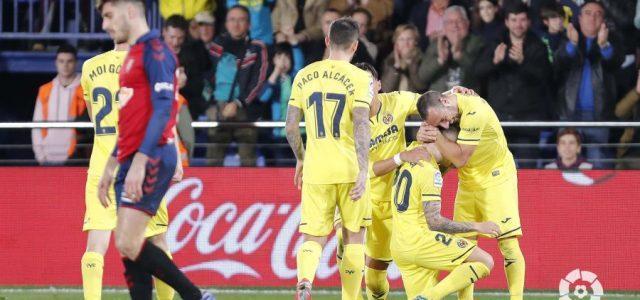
{"x": 145, "y": 151}
{"x": 100, "y": 84}
{"x": 423, "y": 240}
{"x": 488, "y": 183}
{"x": 334, "y": 97}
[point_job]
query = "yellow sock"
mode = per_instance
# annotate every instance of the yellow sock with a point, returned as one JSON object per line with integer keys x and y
{"x": 339, "y": 247}
{"x": 92, "y": 268}
{"x": 308, "y": 259}
{"x": 351, "y": 271}
{"x": 459, "y": 278}
{"x": 163, "y": 290}
{"x": 514, "y": 266}
{"x": 466, "y": 293}
{"x": 376, "y": 282}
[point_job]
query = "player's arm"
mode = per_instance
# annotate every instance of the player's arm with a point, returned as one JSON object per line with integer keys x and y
{"x": 292, "y": 128}
{"x": 106, "y": 180}
{"x": 457, "y": 154}
{"x": 179, "y": 172}
{"x": 86, "y": 90}
{"x": 361, "y": 131}
{"x": 437, "y": 222}
{"x": 415, "y": 155}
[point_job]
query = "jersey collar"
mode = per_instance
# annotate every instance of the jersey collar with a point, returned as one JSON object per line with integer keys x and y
{"x": 152, "y": 34}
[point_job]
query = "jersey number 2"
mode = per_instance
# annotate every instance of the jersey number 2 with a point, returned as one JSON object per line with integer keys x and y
{"x": 104, "y": 111}
{"x": 317, "y": 100}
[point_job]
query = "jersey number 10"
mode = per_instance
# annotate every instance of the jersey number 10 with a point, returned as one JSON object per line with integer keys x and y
{"x": 317, "y": 100}
{"x": 104, "y": 111}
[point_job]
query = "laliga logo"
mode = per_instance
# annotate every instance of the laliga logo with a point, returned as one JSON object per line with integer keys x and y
{"x": 582, "y": 179}
{"x": 580, "y": 290}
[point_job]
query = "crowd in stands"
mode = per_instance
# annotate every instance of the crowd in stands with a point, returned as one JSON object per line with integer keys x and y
{"x": 569, "y": 60}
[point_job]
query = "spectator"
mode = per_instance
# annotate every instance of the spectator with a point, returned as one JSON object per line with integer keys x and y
{"x": 261, "y": 28}
{"x": 569, "y": 149}
{"x": 428, "y": 16}
{"x": 287, "y": 61}
{"x": 636, "y": 20}
{"x": 186, "y": 8}
{"x": 363, "y": 18}
{"x": 240, "y": 68}
{"x": 629, "y": 110}
{"x": 379, "y": 10}
{"x": 586, "y": 63}
{"x": 552, "y": 18}
{"x": 206, "y": 27}
{"x": 487, "y": 21}
{"x": 58, "y": 100}
{"x": 400, "y": 68}
{"x": 298, "y": 20}
{"x": 316, "y": 50}
{"x": 517, "y": 68}
{"x": 193, "y": 56}
{"x": 450, "y": 60}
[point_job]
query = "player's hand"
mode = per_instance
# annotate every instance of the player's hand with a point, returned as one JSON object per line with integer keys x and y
{"x": 463, "y": 90}
{"x": 297, "y": 178}
{"x": 572, "y": 34}
{"x": 106, "y": 180}
{"x": 359, "y": 187}
{"x": 179, "y": 173}
{"x": 415, "y": 155}
{"x": 488, "y": 228}
{"x": 230, "y": 110}
{"x": 427, "y": 133}
{"x": 135, "y": 177}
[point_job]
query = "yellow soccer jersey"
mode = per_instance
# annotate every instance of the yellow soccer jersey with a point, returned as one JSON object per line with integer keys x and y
{"x": 388, "y": 136}
{"x": 492, "y": 162}
{"x": 413, "y": 185}
{"x": 327, "y": 92}
{"x": 100, "y": 85}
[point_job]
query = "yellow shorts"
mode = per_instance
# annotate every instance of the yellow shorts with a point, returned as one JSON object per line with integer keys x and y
{"x": 498, "y": 204}
{"x": 97, "y": 217}
{"x": 435, "y": 251}
{"x": 319, "y": 202}
{"x": 379, "y": 233}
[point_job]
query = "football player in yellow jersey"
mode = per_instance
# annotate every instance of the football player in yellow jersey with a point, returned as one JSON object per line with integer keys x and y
{"x": 422, "y": 239}
{"x": 100, "y": 84}
{"x": 334, "y": 97}
{"x": 488, "y": 184}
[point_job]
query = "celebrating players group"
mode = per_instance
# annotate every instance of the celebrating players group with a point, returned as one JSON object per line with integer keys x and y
{"x": 356, "y": 173}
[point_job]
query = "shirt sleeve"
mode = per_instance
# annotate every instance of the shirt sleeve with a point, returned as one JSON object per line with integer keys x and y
{"x": 431, "y": 187}
{"x": 411, "y": 102}
{"x": 472, "y": 123}
{"x": 363, "y": 92}
{"x": 296, "y": 93}
{"x": 160, "y": 67}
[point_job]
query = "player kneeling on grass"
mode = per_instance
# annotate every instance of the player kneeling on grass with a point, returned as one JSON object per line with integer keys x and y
{"x": 422, "y": 239}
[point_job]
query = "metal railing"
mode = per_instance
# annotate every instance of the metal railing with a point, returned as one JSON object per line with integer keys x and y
{"x": 58, "y": 19}
{"x": 271, "y": 146}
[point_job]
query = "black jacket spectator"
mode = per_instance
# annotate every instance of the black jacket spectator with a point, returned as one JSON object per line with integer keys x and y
{"x": 195, "y": 59}
{"x": 569, "y": 74}
{"x": 517, "y": 91}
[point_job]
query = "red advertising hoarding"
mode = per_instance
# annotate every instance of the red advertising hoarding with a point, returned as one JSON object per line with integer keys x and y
{"x": 238, "y": 227}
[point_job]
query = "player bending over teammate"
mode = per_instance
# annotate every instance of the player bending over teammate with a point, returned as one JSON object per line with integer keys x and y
{"x": 334, "y": 97}
{"x": 423, "y": 240}
{"x": 145, "y": 152}
{"x": 488, "y": 183}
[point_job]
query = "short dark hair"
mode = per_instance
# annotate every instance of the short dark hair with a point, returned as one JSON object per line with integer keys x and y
{"x": 343, "y": 32}
{"x": 430, "y": 99}
{"x": 369, "y": 68}
{"x": 242, "y": 8}
{"x": 569, "y": 131}
{"x": 364, "y": 11}
{"x": 283, "y": 48}
{"x": 176, "y": 21}
{"x": 66, "y": 48}
{"x": 596, "y": 2}
{"x": 101, "y": 3}
{"x": 516, "y": 8}
{"x": 552, "y": 10}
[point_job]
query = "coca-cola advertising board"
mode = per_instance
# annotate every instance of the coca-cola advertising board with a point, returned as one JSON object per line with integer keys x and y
{"x": 235, "y": 227}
